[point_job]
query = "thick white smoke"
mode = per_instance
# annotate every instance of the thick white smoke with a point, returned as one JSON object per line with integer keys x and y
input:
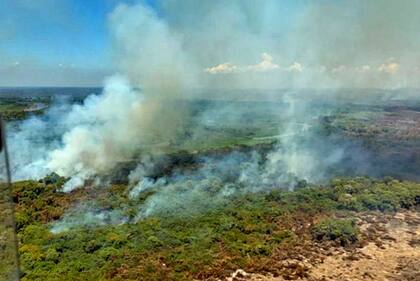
{"x": 161, "y": 57}
{"x": 103, "y": 131}
{"x": 30, "y": 141}
{"x": 126, "y": 118}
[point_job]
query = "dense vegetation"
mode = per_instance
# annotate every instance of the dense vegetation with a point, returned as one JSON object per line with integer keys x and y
{"x": 8, "y": 260}
{"x": 19, "y": 109}
{"x": 250, "y": 231}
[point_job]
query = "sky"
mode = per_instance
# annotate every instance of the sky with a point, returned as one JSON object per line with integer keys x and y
{"x": 55, "y": 42}
{"x": 236, "y": 43}
{"x": 61, "y": 42}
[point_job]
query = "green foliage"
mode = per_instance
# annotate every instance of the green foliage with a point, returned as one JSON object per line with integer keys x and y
{"x": 341, "y": 230}
{"x": 53, "y": 178}
{"x": 18, "y": 109}
{"x": 361, "y": 194}
{"x": 244, "y": 232}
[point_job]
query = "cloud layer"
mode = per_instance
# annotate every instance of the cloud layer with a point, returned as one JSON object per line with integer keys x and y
{"x": 265, "y": 65}
{"x": 328, "y": 44}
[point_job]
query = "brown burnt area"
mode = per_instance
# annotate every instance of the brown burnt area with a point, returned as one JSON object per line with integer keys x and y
{"x": 388, "y": 250}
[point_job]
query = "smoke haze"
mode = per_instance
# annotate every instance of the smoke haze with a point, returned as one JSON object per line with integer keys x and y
{"x": 162, "y": 57}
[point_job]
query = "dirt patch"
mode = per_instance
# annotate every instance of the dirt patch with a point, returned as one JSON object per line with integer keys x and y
{"x": 390, "y": 256}
{"x": 390, "y": 250}
{"x": 403, "y": 124}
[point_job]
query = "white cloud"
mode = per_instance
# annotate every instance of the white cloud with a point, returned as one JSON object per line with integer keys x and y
{"x": 222, "y": 68}
{"x": 347, "y": 71}
{"x": 390, "y": 68}
{"x": 265, "y": 65}
{"x": 295, "y": 67}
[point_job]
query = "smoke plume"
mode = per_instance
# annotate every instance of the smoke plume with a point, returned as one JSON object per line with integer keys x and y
{"x": 184, "y": 50}
{"x": 161, "y": 56}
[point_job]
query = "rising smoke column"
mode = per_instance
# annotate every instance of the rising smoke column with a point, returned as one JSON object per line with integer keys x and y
{"x": 326, "y": 45}
{"x": 103, "y": 131}
{"x": 136, "y": 110}
{"x": 160, "y": 56}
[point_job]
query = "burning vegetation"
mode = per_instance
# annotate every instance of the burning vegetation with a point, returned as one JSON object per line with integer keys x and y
{"x": 205, "y": 153}
{"x": 255, "y": 232}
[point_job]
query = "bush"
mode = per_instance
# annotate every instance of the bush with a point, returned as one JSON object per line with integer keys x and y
{"x": 245, "y": 231}
{"x": 53, "y": 178}
{"x": 342, "y": 230}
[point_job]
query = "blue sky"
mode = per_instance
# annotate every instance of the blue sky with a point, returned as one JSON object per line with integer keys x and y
{"x": 48, "y": 35}
{"x": 57, "y": 31}
{"x": 67, "y": 33}
{"x": 67, "y": 42}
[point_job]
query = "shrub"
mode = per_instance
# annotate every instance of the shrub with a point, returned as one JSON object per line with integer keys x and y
{"x": 342, "y": 230}
{"x": 245, "y": 231}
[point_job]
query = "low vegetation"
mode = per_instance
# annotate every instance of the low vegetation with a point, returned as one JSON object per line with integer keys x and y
{"x": 8, "y": 261}
{"x": 342, "y": 230}
{"x": 250, "y": 231}
{"x": 19, "y": 109}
